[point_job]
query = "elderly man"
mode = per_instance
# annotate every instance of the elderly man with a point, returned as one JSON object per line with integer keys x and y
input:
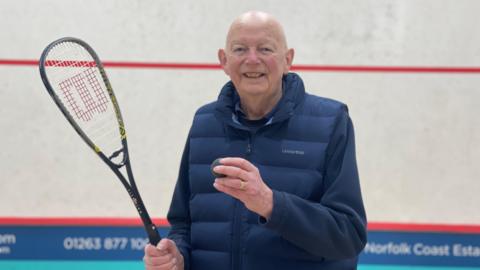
{"x": 288, "y": 196}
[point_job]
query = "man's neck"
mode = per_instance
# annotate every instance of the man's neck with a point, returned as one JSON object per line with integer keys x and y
{"x": 257, "y": 107}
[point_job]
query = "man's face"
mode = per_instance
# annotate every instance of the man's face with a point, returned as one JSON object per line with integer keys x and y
{"x": 255, "y": 58}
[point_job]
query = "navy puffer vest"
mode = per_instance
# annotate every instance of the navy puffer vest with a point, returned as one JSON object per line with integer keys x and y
{"x": 305, "y": 154}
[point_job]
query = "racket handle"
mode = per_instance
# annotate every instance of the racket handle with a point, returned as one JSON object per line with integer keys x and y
{"x": 153, "y": 235}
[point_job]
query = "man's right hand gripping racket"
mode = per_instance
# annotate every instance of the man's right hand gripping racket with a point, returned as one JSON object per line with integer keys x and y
{"x": 76, "y": 80}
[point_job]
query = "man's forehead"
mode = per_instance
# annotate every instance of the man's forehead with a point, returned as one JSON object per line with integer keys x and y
{"x": 257, "y": 39}
{"x": 260, "y": 32}
{"x": 253, "y": 23}
{"x": 267, "y": 24}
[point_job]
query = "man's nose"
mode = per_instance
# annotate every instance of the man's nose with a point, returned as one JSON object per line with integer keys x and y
{"x": 252, "y": 57}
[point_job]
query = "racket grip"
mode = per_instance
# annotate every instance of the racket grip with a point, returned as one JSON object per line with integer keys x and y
{"x": 153, "y": 235}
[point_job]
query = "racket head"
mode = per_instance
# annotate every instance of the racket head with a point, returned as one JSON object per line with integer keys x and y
{"x": 76, "y": 80}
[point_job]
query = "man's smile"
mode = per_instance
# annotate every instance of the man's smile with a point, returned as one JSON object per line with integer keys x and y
{"x": 253, "y": 75}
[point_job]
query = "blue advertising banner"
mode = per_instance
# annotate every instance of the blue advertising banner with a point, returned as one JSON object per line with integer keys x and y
{"x": 73, "y": 242}
{"x": 422, "y": 249}
{"x": 29, "y": 247}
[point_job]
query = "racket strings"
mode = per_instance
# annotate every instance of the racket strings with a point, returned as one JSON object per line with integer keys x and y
{"x": 78, "y": 83}
{"x": 104, "y": 135}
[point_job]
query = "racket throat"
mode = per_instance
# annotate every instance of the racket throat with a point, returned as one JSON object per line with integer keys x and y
{"x": 119, "y": 158}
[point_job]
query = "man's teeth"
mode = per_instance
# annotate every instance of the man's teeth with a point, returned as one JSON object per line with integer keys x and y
{"x": 253, "y": 74}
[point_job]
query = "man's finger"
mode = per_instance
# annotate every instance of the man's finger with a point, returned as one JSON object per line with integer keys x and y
{"x": 234, "y": 192}
{"x": 232, "y": 183}
{"x": 168, "y": 246}
{"x": 152, "y": 251}
{"x": 231, "y": 171}
{"x": 161, "y": 260}
{"x": 238, "y": 162}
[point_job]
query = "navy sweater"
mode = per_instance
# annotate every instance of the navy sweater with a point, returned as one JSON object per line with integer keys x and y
{"x": 305, "y": 154}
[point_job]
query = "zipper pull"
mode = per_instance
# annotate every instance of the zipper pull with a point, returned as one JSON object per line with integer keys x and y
{"x": 249, "y": 144}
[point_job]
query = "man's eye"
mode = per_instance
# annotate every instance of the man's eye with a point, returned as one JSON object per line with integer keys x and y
{"x": 239, "y": 49}
{"x": 266, "y": 50}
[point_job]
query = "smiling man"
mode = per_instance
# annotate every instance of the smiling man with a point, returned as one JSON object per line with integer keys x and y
{"x": 256, "y": 57}
{"x": 288, "y": 195}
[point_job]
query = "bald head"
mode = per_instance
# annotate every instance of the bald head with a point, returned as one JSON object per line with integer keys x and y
{"x": 255, "y": 19}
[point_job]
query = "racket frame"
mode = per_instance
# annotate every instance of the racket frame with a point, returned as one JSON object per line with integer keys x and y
{"x": 130, "y": 185}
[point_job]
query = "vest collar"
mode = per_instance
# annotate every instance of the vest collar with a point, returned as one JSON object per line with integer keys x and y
{"x": 293, "y": 94}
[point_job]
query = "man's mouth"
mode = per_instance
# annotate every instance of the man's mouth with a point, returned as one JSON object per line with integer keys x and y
{"x": 253, "y": 75}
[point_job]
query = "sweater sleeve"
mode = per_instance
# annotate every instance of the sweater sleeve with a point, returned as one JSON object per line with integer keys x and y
{"x": 334, "y": 226}
{"x": 179, "y": 214}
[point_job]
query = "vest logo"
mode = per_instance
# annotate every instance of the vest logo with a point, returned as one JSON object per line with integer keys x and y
{"x": 293, "y": 152}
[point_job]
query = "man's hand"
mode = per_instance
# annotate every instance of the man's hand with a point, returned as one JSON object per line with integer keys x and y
{"x": 243, "y": 181}
{"x": 165, "y": 256}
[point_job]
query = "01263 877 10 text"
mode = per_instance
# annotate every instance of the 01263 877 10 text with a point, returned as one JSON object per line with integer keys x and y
{"x": 104, "y": 243}
{"x": 6, "y": 240}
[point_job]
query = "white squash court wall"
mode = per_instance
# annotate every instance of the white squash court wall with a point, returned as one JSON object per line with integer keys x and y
{"x": 418, "y": 134}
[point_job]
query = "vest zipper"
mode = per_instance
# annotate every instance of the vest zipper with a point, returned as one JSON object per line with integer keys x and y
{"x": 236, "y": 236}
{"x": 250, "y": 141}
{"x": 237, "y": 250}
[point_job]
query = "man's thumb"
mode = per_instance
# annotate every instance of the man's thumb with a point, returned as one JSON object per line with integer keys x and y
{"x": 166, "y": 245}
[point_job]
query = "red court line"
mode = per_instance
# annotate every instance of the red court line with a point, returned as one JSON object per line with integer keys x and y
{"x": 386, "y": 69}
{"x": 313, "y": 68}
{"x": 120, "y": 221}
{"x": 418, "y": 227}
{"x": 199, "y": 66}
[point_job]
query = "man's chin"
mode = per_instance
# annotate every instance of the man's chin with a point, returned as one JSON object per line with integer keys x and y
{"x": 253, "y": 90}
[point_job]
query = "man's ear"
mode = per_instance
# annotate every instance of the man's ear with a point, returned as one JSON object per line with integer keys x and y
{"x": 288, "y": 60}
{"x": 222, "y": 58}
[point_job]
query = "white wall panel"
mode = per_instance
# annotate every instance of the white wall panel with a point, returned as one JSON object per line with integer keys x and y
{"x": 418, "y": 134}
